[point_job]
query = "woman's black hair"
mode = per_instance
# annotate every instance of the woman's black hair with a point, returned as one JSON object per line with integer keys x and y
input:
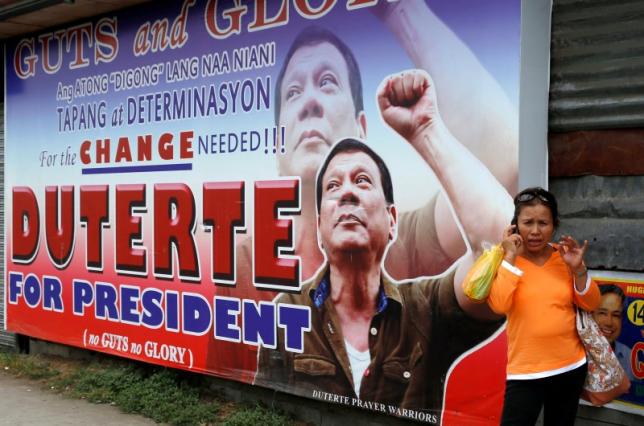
{"x": 533, "y": 196}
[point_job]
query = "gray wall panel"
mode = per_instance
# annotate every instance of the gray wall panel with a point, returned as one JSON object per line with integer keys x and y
{"x": 609, "y": 213}
{"x": 597, "y": 65}
{"x": 597, "y": 82}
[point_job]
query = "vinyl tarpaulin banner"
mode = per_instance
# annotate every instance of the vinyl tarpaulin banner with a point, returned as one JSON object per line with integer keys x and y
{"x": 163, "y": 201}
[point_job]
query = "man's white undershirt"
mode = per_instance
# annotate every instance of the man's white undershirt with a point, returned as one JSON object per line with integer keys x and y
{"x": 359, "y": 362}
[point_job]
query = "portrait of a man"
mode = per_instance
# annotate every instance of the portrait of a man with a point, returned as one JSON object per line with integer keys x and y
{"x": 370, "y": 337}
{"x": 609, "y": 317}
{"x": 319, "y": 99}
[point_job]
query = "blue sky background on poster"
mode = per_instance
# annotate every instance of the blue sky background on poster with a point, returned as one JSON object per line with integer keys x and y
{"x": 494, "y": 44}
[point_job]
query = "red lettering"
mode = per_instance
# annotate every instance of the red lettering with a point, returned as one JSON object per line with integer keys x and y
{"x": 45, "y": 41}
{"x": 185, "y": 144}
{"x": 636, "y": 365}
{"x": 165, "y": 146}
{"x": 162, "y": 36}
{"x": 102, "y": 151}
{"x": 306, "y": 11}
{"x": 25, "y": 230}
{"x": 141, "y": 42}
{"x": 60, "y": 239}
{"x": 233, "y": 15}
{"x": 179, "y": 35}
{"x": 94, "y": 212}
{"x": 223, "y": 211}
{"x": 274, "y": 235}
{"x": 129, "y": 198}
{"x": 77, "y": 33}
{"x": 144, "y": 148}
{"x": 357, "y": 4}
{"x": 29, "y": 60}
{"x": 102, "y": 37}
{"x": 261, "y": 22}
{"x": 158, "y": 33}
{"x": 224, "y": 19}
{"x": 107, "y": 43}
{"x": 123, "y": 152}
{"x": 84, "y": 152}
{"x": 174, "y": 223}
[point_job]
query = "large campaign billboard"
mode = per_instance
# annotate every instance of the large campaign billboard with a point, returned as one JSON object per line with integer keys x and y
{"x": 170, "y": 196}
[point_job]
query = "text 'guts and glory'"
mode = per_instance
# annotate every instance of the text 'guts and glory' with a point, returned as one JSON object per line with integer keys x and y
{"x": 95, "y": 43}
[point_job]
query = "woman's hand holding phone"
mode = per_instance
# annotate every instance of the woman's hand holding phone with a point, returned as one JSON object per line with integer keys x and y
{"x": 511, "y": 243}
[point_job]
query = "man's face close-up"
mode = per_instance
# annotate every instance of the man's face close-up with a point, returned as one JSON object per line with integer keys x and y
{"x": 354, "y": 215}
{"x": 609, "y": 316}
{"x": 316, "y": 108}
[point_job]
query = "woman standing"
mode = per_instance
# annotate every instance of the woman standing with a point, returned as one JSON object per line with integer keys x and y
{"x": 537, "y": 288}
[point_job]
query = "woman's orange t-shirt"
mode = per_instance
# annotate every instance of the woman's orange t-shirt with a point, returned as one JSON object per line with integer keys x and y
{"x": 539, "y": 302}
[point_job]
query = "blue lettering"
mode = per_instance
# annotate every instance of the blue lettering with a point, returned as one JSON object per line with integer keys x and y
{"x": 172, "y": 311}
{"x": 105, "y": 305}
{"x": 32, "y": 291}
{"x": 129, "y": 305}
{"x": 196, "y": 314}
{"x": 83, "y": 296}
{"x": 152, "y": 310}
{"x": 226, "y": 311}
{"x": 259, "y": 324}
{"x": 52, "y": 297}
{"x": 295, "y": 320}
{"x": 15, "y": 288}
{"x": 131, "y": 110}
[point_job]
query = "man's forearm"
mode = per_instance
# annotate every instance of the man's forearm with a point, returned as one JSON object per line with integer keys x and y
{"x": 482, "y": 206}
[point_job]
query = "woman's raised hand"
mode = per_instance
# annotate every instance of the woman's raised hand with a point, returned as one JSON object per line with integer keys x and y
{"x": 511, "y": 244}
{"x": 572, "y": 253}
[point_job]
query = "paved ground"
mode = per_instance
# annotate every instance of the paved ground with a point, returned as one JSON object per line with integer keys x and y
{"x": 24, "y": 402}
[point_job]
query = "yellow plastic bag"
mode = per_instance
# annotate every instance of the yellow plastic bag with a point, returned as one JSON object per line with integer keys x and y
{"x": 479, "y": 279}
